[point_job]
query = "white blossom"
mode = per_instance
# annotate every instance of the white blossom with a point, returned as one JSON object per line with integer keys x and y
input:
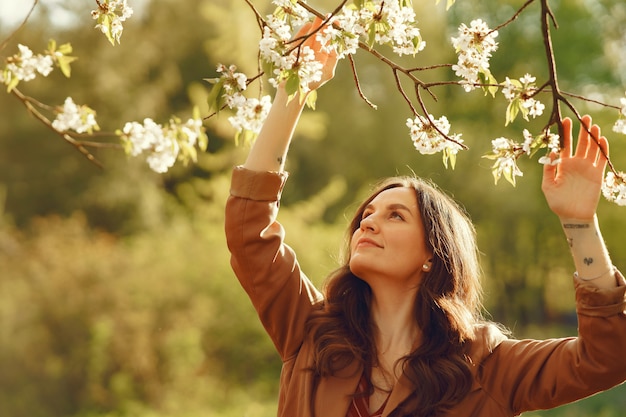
{"x": 163, "y": 153}
{"x": 614, "y": 187}
{"x": 505, "y": 152}
{"x": 234, "y": 82}
{"x": 521, "y": 94}
{"x": 428, "y": 140}
{"x": 142, "y": 137}
{"x": 110, "y": 15}
{"x": 620, "y": 124}
{"x": 474, "y": 46}
{"x": 251, "y": 115}
{"x": 26, "y": 65}
{"x": 81, "y": 119}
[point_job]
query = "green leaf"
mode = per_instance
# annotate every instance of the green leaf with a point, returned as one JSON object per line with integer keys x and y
{"x": 511, "y": 111}
{"x": 311, "y": 99}
{"x": 496, "y": 173}
{"x": 216, "y": 96}
{"x": 292, "y": 84}
{"x": 203, "y": 141}
{"x": 371, "y": 35}
{"x": 449, "y": 156}
{"x": 64, "y": 64}
{"x": 448, "y": 4}
{"x": 12, "y": 84}
{"x": 105, "y": 21}
{"x": 66, "y": 48}
{"x": 493, "y": 87}
{"x": 508, "y": 175}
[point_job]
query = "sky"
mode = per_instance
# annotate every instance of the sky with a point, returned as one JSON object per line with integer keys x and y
{"x": 13, "y": 11}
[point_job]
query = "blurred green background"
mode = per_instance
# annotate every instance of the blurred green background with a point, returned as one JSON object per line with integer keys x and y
{"x": 116, "y": 295}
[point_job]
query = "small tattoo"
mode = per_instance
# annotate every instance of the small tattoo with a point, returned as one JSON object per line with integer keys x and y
{"x": 588, "y": 261}
{"x": 576, "y": 226}
{"x": 280, "y": 160}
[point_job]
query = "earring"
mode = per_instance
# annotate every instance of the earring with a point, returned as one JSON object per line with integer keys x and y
{"x": 425, "y": 267}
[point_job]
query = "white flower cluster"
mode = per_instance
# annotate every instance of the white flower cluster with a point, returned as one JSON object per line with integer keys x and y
{"x": 233, "y": 84}
{"x": 25, "y": 66}
{"x": 81, "y": 119}
{"x": 614, "y": 187}
{"x": 161, "y": 144}
{"x": 546, "y": 139}
{"x": 380, "y": 22}
{"x": 110, "y": 15}
{"x": 250, "y": 112}
{"x": 277, "y": 49}
{"x": 620, "y": 124}
{"x": 520, "y": 95}
{"x": 474, "y": 47}
{"x": 505, "y": 152}
{"x": 428, "y": 140}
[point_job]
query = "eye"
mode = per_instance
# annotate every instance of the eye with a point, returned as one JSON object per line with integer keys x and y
{"x": 396, "y": 215}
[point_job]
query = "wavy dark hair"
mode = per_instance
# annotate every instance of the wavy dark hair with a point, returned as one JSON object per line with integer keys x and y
{"x": 447, "y": 307}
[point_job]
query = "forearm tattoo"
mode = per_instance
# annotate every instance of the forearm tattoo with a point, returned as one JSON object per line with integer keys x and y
{"x": 576, "y": 226}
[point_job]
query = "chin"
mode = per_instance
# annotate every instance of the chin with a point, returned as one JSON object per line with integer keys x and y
{"x": 359, "y": 270}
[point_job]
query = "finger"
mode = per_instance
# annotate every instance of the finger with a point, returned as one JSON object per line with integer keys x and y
{"x": 592, "y": 146}
{"x": 583, "y": 137}
{"x": 332, "y": 60}
{"x": 603, "y": 152}
{"x": 566, "y": 151}
{"x": 302, "y": 32}
{"x": 549, "y": 170}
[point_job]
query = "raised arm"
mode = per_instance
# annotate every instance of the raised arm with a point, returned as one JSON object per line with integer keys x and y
{"x": 269, "y": 150}
{"x": 572, "y": 189}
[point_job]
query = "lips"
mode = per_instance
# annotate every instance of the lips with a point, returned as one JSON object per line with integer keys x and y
{"x": 364, "y": 241}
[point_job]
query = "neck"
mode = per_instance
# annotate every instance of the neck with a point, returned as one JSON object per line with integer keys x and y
{"x": 392, "y": 313}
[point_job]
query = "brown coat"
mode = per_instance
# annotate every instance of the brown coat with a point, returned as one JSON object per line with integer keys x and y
{"x": 510, "y": 376}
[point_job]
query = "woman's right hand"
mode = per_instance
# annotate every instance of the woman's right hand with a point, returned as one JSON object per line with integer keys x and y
{"x": 328, "y": 59}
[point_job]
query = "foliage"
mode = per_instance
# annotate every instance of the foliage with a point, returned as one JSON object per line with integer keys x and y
{"x": 116, "y": 297}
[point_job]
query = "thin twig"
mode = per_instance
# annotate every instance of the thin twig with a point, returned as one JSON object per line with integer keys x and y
{"x": 358, "y": 84}
{"x": 78, "y": 145}
{"x": 8, "y": 39}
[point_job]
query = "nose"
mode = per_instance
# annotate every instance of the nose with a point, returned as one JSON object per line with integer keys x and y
{"x": 369, "y": 223}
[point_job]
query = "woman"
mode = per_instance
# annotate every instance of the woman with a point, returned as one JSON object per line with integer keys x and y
{"x": 398, "y": 330}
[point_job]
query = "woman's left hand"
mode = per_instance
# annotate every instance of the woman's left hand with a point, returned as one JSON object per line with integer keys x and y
{"x": 572, "y": 187}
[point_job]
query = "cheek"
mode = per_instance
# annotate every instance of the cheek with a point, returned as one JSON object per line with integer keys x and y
{"x": 354, "y": 239}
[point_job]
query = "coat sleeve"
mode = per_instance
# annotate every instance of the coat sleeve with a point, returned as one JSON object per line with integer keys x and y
{"x": 266, "y": 267}
{"x": 525, "y": 375}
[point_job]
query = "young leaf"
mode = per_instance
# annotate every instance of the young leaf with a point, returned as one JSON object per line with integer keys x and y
{"x": 292, "y": 84}
{"x": 311, "y": 99}
{"x": 216, "y": 96}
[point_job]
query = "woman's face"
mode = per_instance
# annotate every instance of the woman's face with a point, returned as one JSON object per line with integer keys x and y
{"x": 390, "y": 242}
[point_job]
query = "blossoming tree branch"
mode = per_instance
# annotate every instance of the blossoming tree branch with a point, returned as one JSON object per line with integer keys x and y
{"x": 353, "y": 25}
{"x": 368, "y": 24}
{"x": 160, "y": 145}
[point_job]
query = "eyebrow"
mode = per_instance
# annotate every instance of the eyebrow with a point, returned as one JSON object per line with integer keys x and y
{"x": 393, "y": 206}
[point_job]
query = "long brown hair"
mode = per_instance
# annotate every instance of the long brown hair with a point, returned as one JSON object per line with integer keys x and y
{"x": 447, "y": 307}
